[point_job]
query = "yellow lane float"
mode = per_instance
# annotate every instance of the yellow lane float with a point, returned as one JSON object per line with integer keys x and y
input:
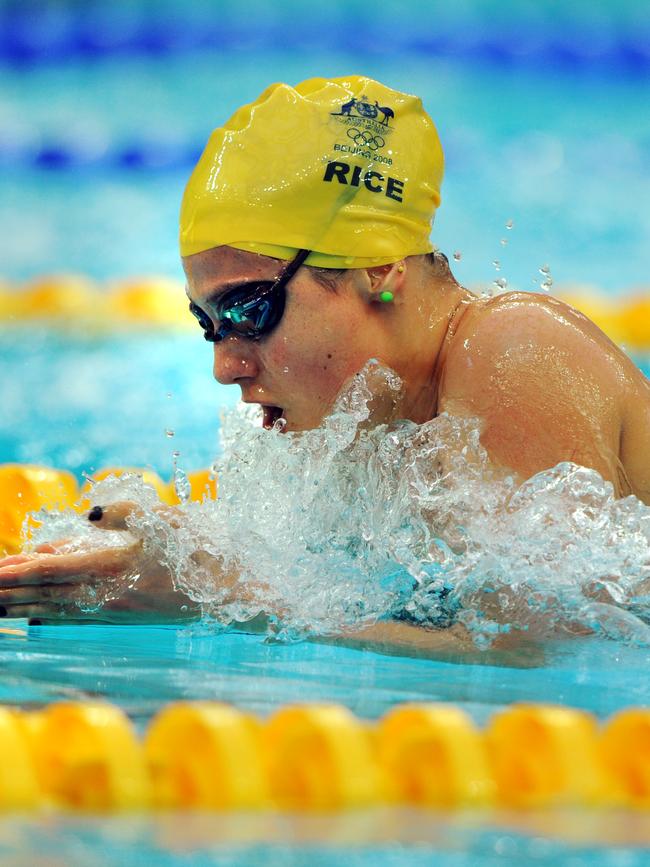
{"x": 625, "y": 750}
{"x": 149, "y": 301}
{"x": 156, "y": 301}
{"x": 635, "y": 320}
{"x": 320, "y": 757}
{"x": 435, "y": 756}
{"x": 206, "y": 756}
{"x": 60, "y": 298}
{"x": 544, "y": 756}
{"x": 8, "y": 302}
{"x": 24, "y": 489}
{"x": 88, "y": 757}
{"x": 19, "y": 789}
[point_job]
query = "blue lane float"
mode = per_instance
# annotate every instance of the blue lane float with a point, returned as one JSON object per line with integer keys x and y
{"x": 75, "y": 155}
{"x": 32, "y": 33}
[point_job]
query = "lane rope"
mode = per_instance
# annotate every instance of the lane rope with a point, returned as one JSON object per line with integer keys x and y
{"x": 73, "y": 300}
{"x": 211, "y": 756}
{"x": 56, "y": 34}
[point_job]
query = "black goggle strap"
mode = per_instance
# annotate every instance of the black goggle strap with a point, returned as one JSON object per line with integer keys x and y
{"x": 292, "y": 267}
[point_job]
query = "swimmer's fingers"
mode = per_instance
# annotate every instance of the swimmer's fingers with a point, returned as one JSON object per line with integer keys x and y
{"x": 33, "y": 594}
{"x": 45, "y": 548}
{"x": 38, "y": 613}
{"x": 115, "y": 516}
{"x": 14, "y": 560}
{"x": 63, "y": 568}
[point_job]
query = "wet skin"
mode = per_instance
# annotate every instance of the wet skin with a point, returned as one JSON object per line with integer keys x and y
{"x": 324, "y": 337}
{"x": 545, "y": 383}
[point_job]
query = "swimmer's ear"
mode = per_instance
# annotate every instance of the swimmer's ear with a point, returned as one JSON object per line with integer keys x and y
{"x": 386, "y": 281}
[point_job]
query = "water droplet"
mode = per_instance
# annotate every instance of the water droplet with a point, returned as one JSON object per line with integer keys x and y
{"x": 176, "y": 454}
{"x": 181, "y": 485}
{"x": 501, "y": 282}
{"x": 503, "y": 242}
{"x": 546, "y": 284}
{"x": 285, "y": 370}
{"x": 349, "y": 261}
{"x": 169, "y": 432}
{"x": 169, "y": 394}
{"x": 184, "y": 608}
{"x": 458, "y": 256}
{"x": 510, "y": 224}
{"x": 545, "y": 270}
{"x": 497, "y": 264}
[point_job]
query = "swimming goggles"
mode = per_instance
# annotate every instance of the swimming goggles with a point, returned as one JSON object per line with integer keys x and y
{"x": 252, "y": 310}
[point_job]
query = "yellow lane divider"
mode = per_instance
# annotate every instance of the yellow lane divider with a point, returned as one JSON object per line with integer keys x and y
{"x": 24, "y": 489}
{"x": 306, "y": 758}
{"x": 434, "y": 755}
{"x": 74, "y": 300}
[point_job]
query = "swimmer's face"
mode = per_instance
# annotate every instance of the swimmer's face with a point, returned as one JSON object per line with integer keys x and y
{"x": 323, "y": 338}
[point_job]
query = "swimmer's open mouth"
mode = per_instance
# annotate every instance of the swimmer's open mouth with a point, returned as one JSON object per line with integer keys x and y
{"x": 271, "y": 415}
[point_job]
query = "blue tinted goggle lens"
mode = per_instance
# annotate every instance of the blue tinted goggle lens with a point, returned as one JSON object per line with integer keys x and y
{"x": 249, "y": 312}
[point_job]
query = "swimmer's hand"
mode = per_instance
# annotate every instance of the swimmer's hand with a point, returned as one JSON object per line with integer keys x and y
{"x": 115, "y": 516}
{"x": 53, "y": 584}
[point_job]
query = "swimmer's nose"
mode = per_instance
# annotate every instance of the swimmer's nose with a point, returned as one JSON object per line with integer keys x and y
{"x": 234, "y": 360}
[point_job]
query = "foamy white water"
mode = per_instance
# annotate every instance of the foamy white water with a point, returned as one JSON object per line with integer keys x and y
{"x": 354, "y": 522}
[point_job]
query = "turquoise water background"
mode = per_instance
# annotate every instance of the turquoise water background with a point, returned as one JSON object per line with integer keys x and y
{"x": 543, "y": 113}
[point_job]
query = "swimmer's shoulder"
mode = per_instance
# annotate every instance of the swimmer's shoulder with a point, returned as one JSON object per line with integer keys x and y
{"x": 547, "y": 384}
{"x": 528, "y": 324}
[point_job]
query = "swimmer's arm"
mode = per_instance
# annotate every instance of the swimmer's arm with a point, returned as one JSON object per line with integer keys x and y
{"x": 451, "y": 644}
{"x": 546, "y": 384}
{"x": 134, "y": 584}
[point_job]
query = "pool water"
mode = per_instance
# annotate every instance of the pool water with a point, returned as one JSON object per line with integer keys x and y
{"x": 141, "y": 668}
{"x": 543, "y": 114}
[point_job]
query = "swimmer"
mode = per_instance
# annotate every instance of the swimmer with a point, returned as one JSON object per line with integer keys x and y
{"x": 305, "y": 239}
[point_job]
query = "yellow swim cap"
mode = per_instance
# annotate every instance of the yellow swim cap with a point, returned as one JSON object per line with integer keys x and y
{"x": 345, "y": 167}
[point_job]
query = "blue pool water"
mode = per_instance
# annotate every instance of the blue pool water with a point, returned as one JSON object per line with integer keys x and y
{"x": 141, "y": 668}
{"x": 543, "y": 113}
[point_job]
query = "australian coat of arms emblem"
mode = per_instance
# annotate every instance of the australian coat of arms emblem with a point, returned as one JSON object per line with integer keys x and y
{"x": 364, "y": 108}
{"x": 368, "y": 126}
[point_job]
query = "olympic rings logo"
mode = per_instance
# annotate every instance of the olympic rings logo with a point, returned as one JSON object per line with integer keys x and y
{"x": 364, "y": 138}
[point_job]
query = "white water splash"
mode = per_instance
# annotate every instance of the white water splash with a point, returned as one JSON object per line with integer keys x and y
{"x": 350, "y": 523}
